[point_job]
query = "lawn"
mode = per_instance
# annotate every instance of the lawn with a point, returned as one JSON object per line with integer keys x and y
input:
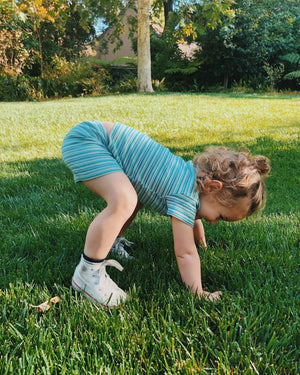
{"x": 163, "y": 329}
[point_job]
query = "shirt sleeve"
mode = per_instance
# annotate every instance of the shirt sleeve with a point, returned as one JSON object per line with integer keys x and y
{"x": 182, "y": 207}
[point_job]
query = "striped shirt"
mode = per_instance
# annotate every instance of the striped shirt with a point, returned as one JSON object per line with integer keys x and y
{"x": 162, "y": 180}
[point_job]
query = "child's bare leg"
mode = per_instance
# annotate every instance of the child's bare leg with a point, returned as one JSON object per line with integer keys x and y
{"x": 129, "y": 221}
{"x": 116, "y": 189}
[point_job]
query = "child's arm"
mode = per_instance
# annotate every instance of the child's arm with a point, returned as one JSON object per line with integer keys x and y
{"x": 188, "y": 258}
{"x": 199, "y": 233}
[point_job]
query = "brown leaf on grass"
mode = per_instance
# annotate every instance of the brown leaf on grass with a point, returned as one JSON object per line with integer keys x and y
{"x": 43, "y": 307}
{"x": 55, "y": 299}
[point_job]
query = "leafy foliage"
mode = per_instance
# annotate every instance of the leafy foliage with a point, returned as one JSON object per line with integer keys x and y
{"x": 13, "y": 52}
{"x": 241, "y": 44}
{"x": 294, "y": 60}
{"x": 43, "y": 29}
{"x": 260, "y": 33}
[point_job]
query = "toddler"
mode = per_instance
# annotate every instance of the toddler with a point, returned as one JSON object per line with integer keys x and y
{"x": 128, "y": 170}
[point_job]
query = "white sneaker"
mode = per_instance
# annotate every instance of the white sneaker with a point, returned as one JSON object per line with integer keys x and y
{"x": 119, "y": 250}
{"x": 95, "y": 283}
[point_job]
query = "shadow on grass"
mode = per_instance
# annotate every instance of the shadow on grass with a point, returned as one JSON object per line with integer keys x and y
{"x": 262, "y": 145}
{"x": 229, "y": 95}
{"x": 45, "y": 216}
{"x": 267, "y": 96}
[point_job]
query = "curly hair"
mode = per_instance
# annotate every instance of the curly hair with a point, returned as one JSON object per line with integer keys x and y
{"x": 241, "y": 174}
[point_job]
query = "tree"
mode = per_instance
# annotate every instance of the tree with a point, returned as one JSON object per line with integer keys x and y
{"x": 13, "y": 54}
{"x": 293, "y": 59}
{"x": 79, "y": 28}
{"x": 261, "y": 32}
{"x": 36, "y": 14}
{"x": 112, "y": 11}
{"x": 182, "y": 19}
{"x": 162, "y": 9}
{"x": 55, "y": 28}
{"x": 187, "y": 22}
{"x": 144, "y": 54}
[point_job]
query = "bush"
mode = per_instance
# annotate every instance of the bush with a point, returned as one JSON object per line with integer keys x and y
{"x": 63, "y": 78}
{"x": 169, "y": 63}
{"x": 60, "y": 79}
{"x": 19, "y": 88}
{"x": 126, "y": 84}
{"x": 94, "y": 77}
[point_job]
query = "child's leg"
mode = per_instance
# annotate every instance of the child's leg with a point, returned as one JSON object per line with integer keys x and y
{"x": 116, "y": 189}
{"x": 129, "y": 221}
{"x": 118, "y": 248}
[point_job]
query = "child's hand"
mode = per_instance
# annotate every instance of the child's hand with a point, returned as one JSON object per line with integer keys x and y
{"x": 210, "y": 296}
{"x": 199, "y": 233}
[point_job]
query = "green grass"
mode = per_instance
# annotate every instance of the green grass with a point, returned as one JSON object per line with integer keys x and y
{"x": 253, "y": 329}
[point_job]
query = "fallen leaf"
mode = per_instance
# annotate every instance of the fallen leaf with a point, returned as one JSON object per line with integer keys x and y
{"x": 55, "y": 299}
{"x": 43, "y": 307}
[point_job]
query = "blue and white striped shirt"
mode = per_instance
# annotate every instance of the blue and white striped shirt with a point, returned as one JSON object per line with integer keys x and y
{"x": 162, "y": 180}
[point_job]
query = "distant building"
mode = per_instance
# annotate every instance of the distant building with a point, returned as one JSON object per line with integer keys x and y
{"x": 104, "y": 48}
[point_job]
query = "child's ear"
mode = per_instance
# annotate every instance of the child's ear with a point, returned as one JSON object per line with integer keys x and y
{"x": 213, "y": 186}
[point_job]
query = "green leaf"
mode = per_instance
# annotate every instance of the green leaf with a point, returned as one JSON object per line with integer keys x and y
{"x": 292, "y": 75}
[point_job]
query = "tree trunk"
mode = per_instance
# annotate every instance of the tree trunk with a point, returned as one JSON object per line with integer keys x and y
{"x": 226, "y": 78}
{"x": 168, "y": 7}
{"x": 41, "y": 53}
{"x": 144, "y": 56}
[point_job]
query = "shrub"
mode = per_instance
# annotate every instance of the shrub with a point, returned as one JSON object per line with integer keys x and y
{"x": 60, "y": 79}
{"x": 63, "y": 78}
{"x": 126, "y": 84}
{"x": 19, "y": 88}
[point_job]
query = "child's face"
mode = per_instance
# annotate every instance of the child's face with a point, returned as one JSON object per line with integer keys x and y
{"x": 212, "y": 211}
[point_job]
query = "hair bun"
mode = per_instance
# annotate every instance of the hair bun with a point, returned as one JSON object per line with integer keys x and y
{"x": 262, "y": 164}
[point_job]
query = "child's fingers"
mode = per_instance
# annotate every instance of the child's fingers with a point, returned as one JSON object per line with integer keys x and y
{"x": 211, "y": 296}
{"x": 216, "y": 295}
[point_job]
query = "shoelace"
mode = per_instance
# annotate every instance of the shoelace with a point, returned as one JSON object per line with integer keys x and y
{"x": 118, "y": 247}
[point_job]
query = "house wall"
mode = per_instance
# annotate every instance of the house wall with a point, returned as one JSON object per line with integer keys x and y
{"x": 126, "y": 48}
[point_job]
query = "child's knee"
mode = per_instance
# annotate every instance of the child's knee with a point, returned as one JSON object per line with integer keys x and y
{"x": 125, "y": 203}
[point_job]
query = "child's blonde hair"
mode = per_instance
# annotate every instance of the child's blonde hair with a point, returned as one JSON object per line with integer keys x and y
{"x": 240, "y": 172}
